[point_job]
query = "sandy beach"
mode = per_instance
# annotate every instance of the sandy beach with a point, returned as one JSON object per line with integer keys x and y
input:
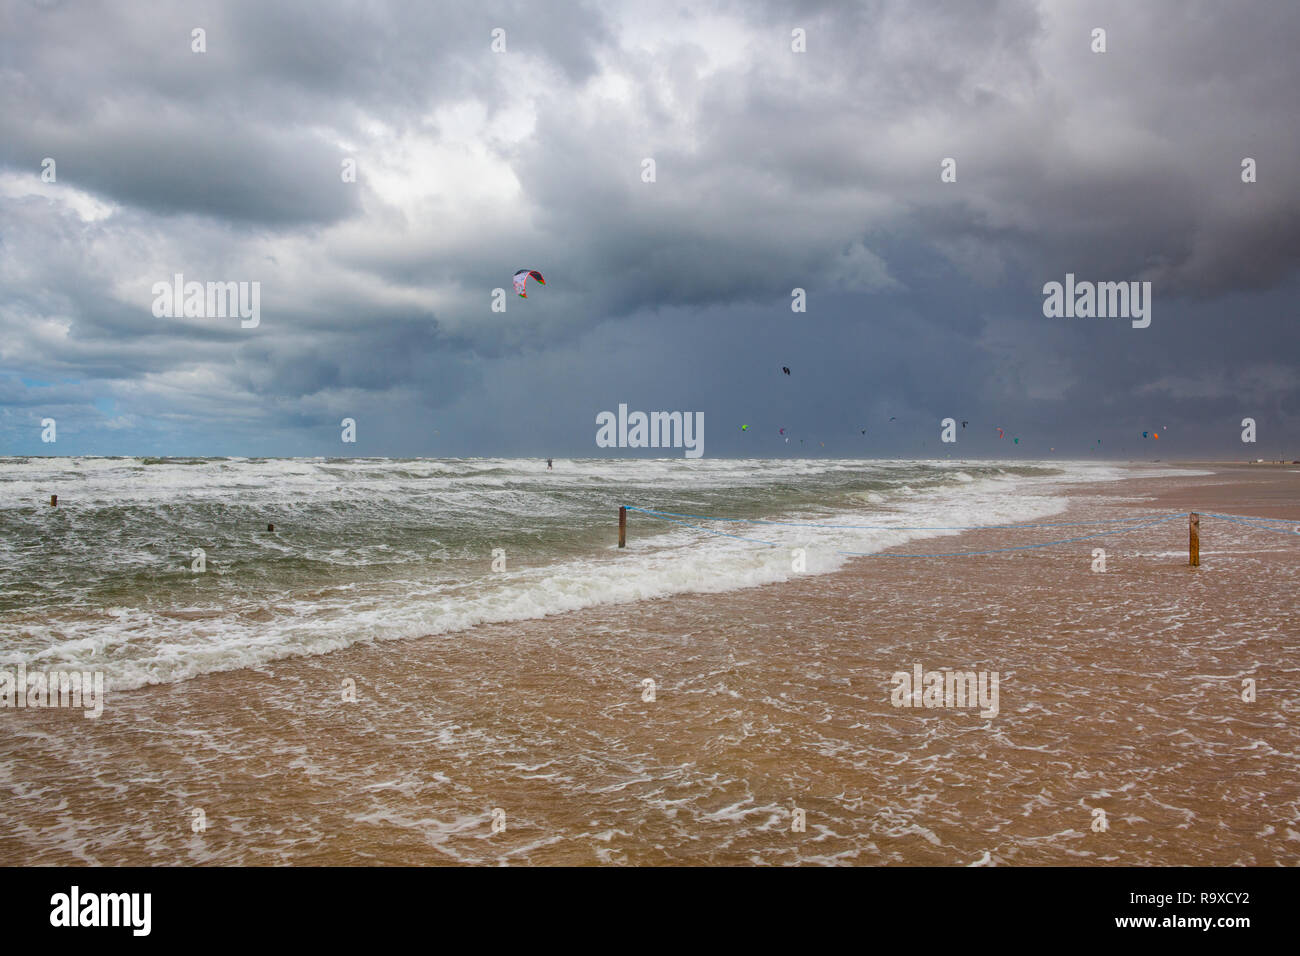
{"x": 1120, "y": 692}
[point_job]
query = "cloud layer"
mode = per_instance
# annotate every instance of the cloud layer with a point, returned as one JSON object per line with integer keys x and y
{"x": 773, "y": 170}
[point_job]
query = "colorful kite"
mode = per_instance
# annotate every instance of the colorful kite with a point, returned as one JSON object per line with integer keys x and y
{"x": 521, "y": 280}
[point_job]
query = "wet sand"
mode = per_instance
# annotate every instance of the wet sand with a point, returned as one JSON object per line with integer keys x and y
{"x": 1119, "y": 691}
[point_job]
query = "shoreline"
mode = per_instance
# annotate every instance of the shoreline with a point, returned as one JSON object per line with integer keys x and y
{"x": 1120, "y": 692}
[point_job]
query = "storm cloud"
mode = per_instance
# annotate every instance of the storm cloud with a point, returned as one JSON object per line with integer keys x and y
{"x": 774, "y": 170}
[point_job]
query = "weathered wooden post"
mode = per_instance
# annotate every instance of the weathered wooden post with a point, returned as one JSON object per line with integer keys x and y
{"x": 622, "y": 526}
{"x": 1194, "y": 540}
{"x": 54, "y": 501}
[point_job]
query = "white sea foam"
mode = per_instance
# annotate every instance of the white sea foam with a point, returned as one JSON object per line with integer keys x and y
{"x": 378, "y": 549}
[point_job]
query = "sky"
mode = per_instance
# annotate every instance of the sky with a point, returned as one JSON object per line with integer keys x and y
{"x": 773, "y": 170}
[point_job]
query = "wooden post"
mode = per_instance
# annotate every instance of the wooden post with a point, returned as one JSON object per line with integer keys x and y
{"x": 54, "y": 501}
{"x": 622, "y": 527}
{"x": 1194, "y": 540}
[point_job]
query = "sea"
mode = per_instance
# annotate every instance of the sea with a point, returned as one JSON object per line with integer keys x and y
{"x": 156, "y": 570}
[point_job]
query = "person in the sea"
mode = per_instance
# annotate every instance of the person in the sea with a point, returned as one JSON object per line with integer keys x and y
{"x": 548, "y": 464}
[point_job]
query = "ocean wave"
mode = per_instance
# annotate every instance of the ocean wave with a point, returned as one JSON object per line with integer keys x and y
{"x": 373, "y": 549}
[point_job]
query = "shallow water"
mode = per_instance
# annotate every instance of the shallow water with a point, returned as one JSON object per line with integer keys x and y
{"x": 375, "y": 549}
{"x": 1119, "y": 691}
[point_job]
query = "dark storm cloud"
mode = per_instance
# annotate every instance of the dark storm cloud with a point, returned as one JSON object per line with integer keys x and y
{"x": 775, "y": 170}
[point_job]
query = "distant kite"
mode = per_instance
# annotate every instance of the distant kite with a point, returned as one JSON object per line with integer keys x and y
{"x": 521, "y": 280}
{"x": 744, "y": 428}
{"x": 999, "y": 431}
{"x": 963, "y": 425}
{"x": 785, "y": 369}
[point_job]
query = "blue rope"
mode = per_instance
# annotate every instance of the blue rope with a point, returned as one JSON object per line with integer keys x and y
{"x": 892, "y": 527}
{"x": 720, "y": 534}
{"x": 1023, "y": 547}
{"x": 1249, "y": 522}
{"x": 945, "y": 554}
{"x": 1211, "y": 514}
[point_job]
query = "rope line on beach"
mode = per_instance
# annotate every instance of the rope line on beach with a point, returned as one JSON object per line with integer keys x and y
{"x": 663, "y": 516}
{"x": 1025, "y": 547}
{"x": 1249, "y": 522}
{"x": 898, "y": 527}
